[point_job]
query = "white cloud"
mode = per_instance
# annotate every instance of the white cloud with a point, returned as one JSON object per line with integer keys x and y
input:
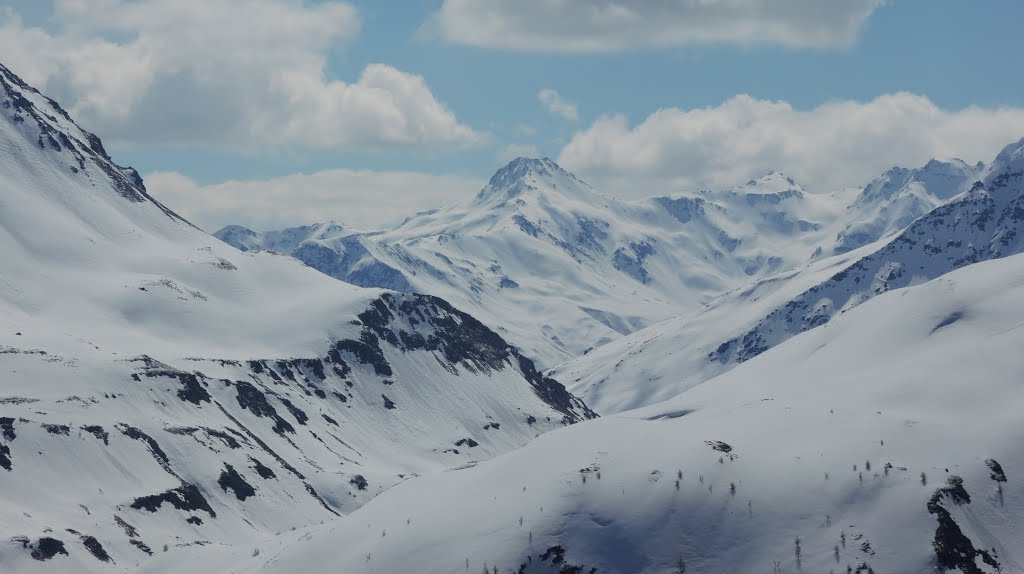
{"x": 513, "y": 151}
{"x": 247, "y": 73}
{"x": 555, "y": 105}
{"x": 613, "y": 25}
{"x": 363, "y": 199}
{"x": 836, "y": 144}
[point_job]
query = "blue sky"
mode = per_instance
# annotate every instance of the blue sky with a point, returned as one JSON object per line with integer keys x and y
{"x": 958, "y": 57}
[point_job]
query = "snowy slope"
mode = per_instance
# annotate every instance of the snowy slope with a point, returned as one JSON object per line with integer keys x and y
{"x": 561, "y": 269}
{"x": 160, "y": 388}
{"x": 983, "y": 223}
{"x": 838, "y": 451}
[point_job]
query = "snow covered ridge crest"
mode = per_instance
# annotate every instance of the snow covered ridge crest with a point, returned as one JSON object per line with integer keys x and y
{"x": 43, "y": 122}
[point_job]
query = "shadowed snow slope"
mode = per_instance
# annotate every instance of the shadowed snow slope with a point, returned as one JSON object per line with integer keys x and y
{"x": 885, "y": 441}
{"x": 159, "y": 388}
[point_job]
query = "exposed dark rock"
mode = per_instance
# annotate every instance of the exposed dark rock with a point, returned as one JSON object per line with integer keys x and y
{"x": 631, "y": 261}
{"x": 312, "y": 492}
{"x": 230, "y": 441}
{"x": 358, "y": 481}
{"x": 98, "y": 432}
{"x": 466, "y": 442}
{"x": 286, "y": 371}
{"x": 129, "y": 530}
{"x": 388, "y": 404}
{"x": 141, "y": 546}
{"x": 264, "y": 472}
{"x": 556, "y": 555}
{"x": 299, "y": 414}
{"x": 367, "y": 351}
{"x": 253, "y": 399}
{"x": 194, "y": 520}
{"x": 338, "y": 365}
{"x": 997, "y": 473}
{"x": 7, "y": 426}
{"x": 315, "y": 366}
{"x": 154, "y": 448}
{"x": 64, "y": 430}
{"x": 953, "y": 549}
{"x": 460, "y": 339}
{"x": 192, "y": 384}
{"x": 284, "y": 463}
{"x": 186, "y": 497}
{"x": 46, "y": 548}
{"x": 95, "y": 548}
{"x": 554, "y": 393}
{"x": 230, "y": 479}
{"x": 719, "y": 446}
{"x": 192, "y": 389}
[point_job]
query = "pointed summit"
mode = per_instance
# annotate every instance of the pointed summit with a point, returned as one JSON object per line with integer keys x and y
{"x": 940, "y": 179}
{"x": 1008, "y": 165}
{"x": 773, "y": 182}
{"x": 523, "y": 175}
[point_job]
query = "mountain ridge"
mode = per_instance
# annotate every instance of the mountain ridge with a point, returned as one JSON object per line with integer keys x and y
{"x": 162, "y": 389}
{"x": 980, "y": 224}
{"x": 535, "y": 225}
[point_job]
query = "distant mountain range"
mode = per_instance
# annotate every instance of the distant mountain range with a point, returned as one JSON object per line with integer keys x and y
{"x": 561, "y": 270}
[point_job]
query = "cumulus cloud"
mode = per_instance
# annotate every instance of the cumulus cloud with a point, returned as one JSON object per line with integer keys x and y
{"x": 247, "y": 73}
{"x": 612, "y": 25}
{"x": 363, "y": 199}
{"x": 833, "y": 145}
{"x": 556, "y": 106}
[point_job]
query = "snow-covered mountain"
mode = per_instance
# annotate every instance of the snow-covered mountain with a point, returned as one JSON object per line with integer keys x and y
{"x": 895, "y": 199}
{"x": 169, "y": 403}
{"x": 885, "y": 441}
{"x": 983, "y": 223}
{"x": 161, "y": 389}
{"x": 560, "y": 269}
{"x": 283, "y": 241}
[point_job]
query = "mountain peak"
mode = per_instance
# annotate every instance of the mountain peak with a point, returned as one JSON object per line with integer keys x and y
{"x": 523, "y": 174}
{"x": 1008, "y": 164}
{"x": 941, "y": 179}
{"x": 772, "y": 182}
